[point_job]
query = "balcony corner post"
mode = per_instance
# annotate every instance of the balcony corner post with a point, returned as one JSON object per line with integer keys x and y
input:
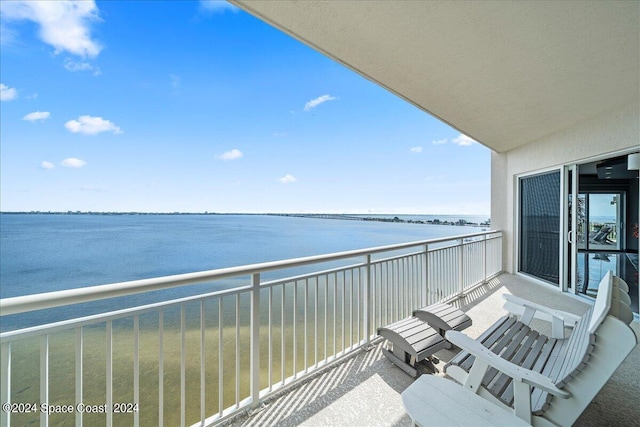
{"x": 255, "y": 341}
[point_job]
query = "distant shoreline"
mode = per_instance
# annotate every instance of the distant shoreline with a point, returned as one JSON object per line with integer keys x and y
{"x": 396, "y": 218}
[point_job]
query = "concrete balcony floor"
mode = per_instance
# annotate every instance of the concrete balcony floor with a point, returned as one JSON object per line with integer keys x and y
{"x": 364, "y": 390}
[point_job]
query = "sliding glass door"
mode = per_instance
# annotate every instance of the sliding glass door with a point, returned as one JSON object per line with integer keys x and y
{"x": 540, "y": 226}
{"x": 573, "y": 226}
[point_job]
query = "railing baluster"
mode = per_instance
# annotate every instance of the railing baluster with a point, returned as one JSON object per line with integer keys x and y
{"x": 361, "y": 315}
{"x": 270, "y": 338}
{"x": 417, "y": 281}
{"x": 221, "y": 355}
{"x": 183, "y": 367}
{"x": 315, "y": 323}
{"x": 282, "y": 327}
{"x": 461, "y": 268}
{"x": 377, "y": 277}
{"x": 344, "y": 284}
{"x": 79, "y": 379}
{"x": 484, "y": 258}
{"x": 403, "y": 289}
{"x": 400, "y": 289}
{"x": 425, "y": 275}
{"x": 396, "y": 291}
{"x": 136, "y": 369}
{"x": 326, "y": 303}
{"x": 380, "y": 294}
{"x": 5, "y": 387}
{"x": 391, "y": 292}
{"x": 237, "y": 351}
{"x": 161, "y": 368}
{"x": 109, "y": 372}
{"x": 351, "y": 310}
{"x": 367, "y": 299}
{"x": 335, "y": 314}
{"x": 255, "y": 341}
{"x": 306, "y": 305}
{"x": 44, "y": 377}
{"x": 409, "y": 280}
{"x": 295, "y": 330}
{"x": 202, "y": 363}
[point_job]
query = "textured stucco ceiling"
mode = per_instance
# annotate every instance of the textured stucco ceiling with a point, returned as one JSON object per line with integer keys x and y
{"x": 504, "y": 73}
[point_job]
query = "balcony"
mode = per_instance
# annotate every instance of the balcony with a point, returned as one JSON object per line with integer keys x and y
{"x": 365, "y": 390}
{"x": 288, "y": 346}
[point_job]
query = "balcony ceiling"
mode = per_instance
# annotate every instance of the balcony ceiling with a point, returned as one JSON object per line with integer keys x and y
{"x": 503, "y": 73}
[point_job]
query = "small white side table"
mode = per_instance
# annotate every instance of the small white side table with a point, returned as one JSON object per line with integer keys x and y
{"x": 437, "y": 401}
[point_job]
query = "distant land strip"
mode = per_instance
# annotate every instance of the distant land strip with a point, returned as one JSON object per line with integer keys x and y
{"x": 384, "y": 219}
{"x": 435, "y": 221}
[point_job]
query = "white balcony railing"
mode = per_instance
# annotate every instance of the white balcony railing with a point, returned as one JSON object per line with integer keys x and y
{"x": 200, "y": 359}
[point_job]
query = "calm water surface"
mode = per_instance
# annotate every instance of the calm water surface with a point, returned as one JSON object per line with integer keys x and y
{"x": 43, "y": 253}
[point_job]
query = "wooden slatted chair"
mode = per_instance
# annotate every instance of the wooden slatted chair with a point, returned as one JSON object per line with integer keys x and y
{"x": 547, "y": 380}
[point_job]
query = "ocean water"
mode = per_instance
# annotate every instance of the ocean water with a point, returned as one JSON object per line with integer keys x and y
{"x": 43, "y": 253}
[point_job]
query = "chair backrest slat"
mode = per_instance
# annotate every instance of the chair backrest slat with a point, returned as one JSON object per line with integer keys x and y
{"x": 579, "y": 347}
{"x": 603, "y": 302}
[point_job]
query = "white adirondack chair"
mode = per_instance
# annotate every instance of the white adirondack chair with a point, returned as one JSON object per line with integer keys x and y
{"x": 547, "y": 381}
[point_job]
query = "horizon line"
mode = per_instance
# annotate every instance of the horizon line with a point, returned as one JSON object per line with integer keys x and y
{"x": 78, "y": 212}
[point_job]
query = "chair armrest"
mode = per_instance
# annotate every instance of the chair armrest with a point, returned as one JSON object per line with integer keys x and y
{"x": 516, "y": 372}
{"x": 528, "y": 310}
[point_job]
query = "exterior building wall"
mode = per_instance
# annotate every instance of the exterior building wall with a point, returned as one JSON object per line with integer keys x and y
{"x": 608, "y": 133}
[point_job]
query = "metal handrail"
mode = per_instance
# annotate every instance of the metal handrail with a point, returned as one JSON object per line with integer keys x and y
{"x": 27, "y": 303}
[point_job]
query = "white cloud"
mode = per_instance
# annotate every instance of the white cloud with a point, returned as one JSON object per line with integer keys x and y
{"x": 37, "y": 115}
{"x": 75, "y": 66}
{"x": 217, "y": 6}
{"x": 231, "y": 155}
{"x": 439, "y": 141}
{"x": 287, "y": 179}
{"x": 89, "y": 125}
{"x": 64, "y": 24}
{"x": 317, "y": 101}
{"x": 47, "y": 165}
{"x": 72, "y": 162}
{"x": 463, "y": 140}
{"x": 7, "y": 93}
{"x": 416, "y": 149}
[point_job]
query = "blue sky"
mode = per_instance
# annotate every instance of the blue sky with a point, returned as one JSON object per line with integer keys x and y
{"x": 198, "y": 106}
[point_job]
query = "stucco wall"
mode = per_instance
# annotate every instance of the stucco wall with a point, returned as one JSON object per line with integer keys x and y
{"x": 608, "y": 133}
